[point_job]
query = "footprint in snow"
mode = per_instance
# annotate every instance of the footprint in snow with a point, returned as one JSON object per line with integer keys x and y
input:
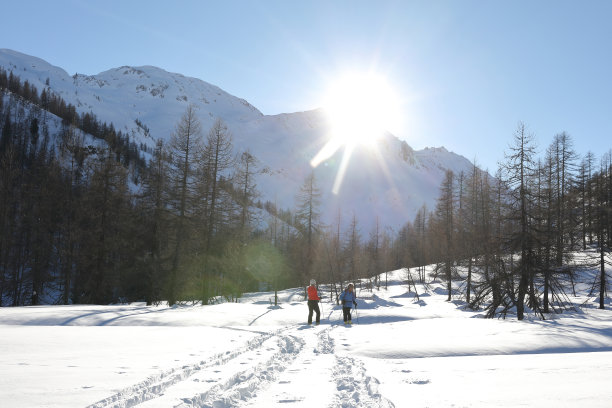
{"x": 418, "y": 381}
{"x": 285, "y": 401}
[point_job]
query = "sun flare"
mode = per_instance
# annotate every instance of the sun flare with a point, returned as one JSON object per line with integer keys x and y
{"x": 360, "y": 107}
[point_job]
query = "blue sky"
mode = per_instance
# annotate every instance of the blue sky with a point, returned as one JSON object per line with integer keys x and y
{"x": 466, "y": 71}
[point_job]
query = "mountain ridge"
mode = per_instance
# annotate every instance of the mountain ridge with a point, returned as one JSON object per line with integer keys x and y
{"x": 387, "y": 185}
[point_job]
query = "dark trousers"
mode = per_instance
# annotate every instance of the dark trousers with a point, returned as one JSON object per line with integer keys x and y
{"x": 313, "y": 306}
{"x": 346, "y": 311}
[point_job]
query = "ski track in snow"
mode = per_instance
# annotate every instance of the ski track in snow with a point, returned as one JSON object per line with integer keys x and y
{"x": 156, "y": 386}
{"x": 255, "y": 373}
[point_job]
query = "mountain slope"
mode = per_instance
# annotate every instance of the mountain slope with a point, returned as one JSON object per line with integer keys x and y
{"x": 390, "y": 183}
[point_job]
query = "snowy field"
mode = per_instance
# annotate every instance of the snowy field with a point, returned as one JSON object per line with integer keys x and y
{"x": 399, "y": 352}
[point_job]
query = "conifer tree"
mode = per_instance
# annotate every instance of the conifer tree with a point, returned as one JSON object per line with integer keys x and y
{"x": 106, "y": 244}
{"x": 519, "y": 168}
{"x": 584, "y": 183}
{"x": 184, "y": 150}
{"x": 445, "y": 213}
{"x": 247, "y": 191}
{"x": 307, "y": 219}
{"x": 218, "y": 159}
{"x": 352, "y": 250}
{"x": 154, "y": 203}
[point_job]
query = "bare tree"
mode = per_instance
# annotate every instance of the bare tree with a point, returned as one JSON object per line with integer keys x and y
{"x": 218, "y": 158}
{"x": 603, "y": 188}
{"x": 585, "y": 175}
{"x": 520, "y": 167}
{"x": 352, "y": 249}
{"x": 563, "y": 157}
{"x": 184, "y": 150}
{"x": 247, "y": 190}
{"x": 154, "y": 202}
{"x": 308, "y": 222}
{"x": 445, "y": 213}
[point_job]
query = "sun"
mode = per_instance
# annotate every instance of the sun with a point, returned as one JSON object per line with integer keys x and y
{"x": 360, "y": 108}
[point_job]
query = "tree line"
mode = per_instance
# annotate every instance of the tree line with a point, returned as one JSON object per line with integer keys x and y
{"x": 507, "y": 241}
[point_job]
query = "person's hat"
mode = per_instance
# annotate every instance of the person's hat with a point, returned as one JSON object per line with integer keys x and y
{"x": 313, "y": 282}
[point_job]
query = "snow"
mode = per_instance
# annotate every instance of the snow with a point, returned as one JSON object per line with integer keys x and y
{"x": 399, "y": 352}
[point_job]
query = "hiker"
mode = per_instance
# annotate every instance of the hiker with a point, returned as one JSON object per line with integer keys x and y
{"x": 313, "y": 302}
{"x": 349, "y": 299}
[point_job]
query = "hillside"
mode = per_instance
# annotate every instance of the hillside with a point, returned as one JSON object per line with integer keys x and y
{"x": 389, "y": 183}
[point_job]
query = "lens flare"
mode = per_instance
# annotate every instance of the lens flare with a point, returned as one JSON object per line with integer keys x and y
{"x": 360, "y": 108}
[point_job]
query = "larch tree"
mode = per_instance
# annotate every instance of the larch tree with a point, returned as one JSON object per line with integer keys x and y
{"x": 184, "y": 151}
{"x": 374, "y": 254}
{"x": 586, "y": 209}
{"x": 469, "y": 211}
{"x": 72, "y": 156}
{"x": 245, "y": 193}
{"x": 352, "y": 250}
{"x": 520, "y": 167}
{"x": 107, "y": 205}
{"x": 445, "y": 213}
{"x": 154, "y": 204}
{"x": 603, "y": 188}
{"x": 248, "y": 168}
{"x": 307, "y": 219}
{"x": 563, "y": 158}
{"x": 218, "y": 159}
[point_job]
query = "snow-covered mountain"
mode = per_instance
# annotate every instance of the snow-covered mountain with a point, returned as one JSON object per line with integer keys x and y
{"x": 389, "y": 183}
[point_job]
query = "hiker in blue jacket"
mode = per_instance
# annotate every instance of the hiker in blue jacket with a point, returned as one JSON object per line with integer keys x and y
{"x": 349, "y": 300}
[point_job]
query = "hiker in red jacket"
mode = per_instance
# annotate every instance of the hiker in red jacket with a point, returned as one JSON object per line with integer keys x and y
{"x": 313, "y": 302}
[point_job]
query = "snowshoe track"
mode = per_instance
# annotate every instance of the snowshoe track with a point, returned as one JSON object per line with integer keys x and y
{"x": 325, "y": 344}
{"x": 155, "y": 386}
{"x": 251, "y": 370}
{"x": 244, "y": 385}
{"x": 355, "y": 389}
